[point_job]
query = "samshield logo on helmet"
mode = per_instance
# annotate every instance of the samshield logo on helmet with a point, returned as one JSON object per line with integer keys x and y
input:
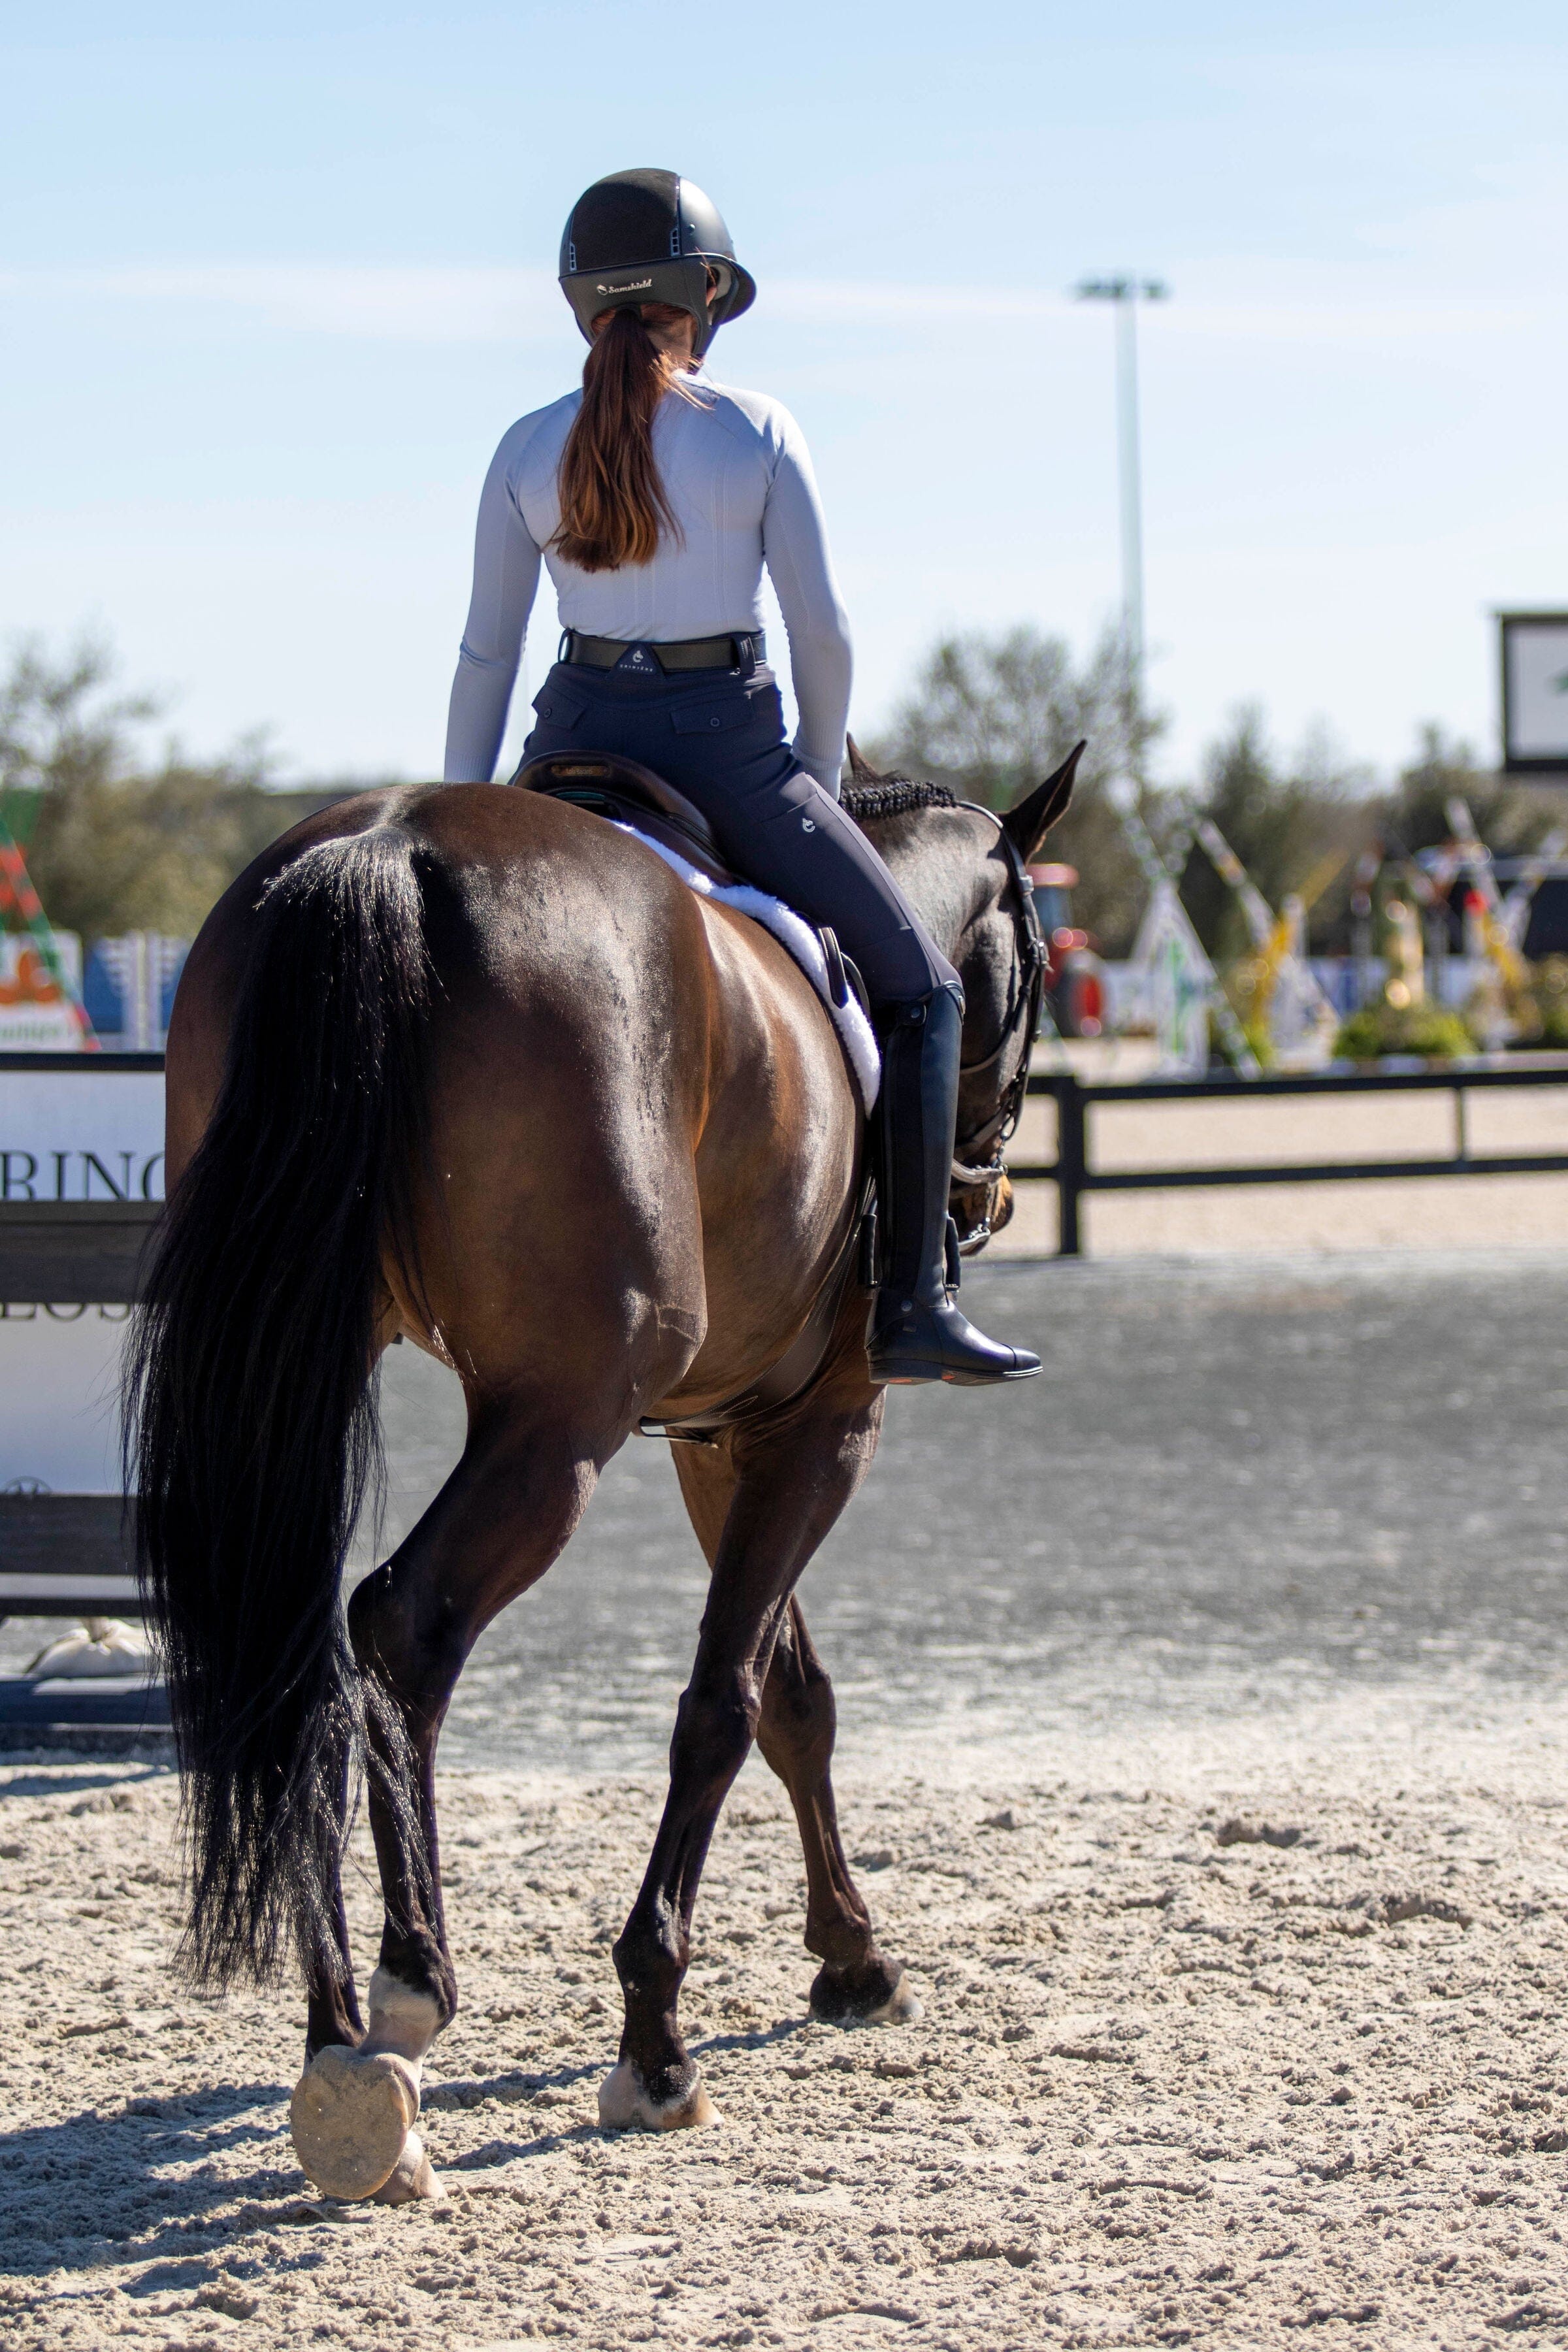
{"x": 666, "y": 229}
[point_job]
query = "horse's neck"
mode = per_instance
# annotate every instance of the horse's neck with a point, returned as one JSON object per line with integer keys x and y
{"x": 935, "y": 872}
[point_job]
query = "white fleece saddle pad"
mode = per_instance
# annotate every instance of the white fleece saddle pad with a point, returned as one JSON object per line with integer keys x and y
{"x": 800, "y": 938}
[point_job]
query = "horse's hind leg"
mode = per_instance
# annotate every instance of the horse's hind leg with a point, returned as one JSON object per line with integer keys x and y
{"x": 333, "y": 2016}
{"x": 796, "y": 1733}
{"x": 500, "y": 1519}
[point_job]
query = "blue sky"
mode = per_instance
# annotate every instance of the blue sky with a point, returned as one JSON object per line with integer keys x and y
{"x": 270, "y": 293}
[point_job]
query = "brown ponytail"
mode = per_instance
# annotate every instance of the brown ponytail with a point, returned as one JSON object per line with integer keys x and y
{"x": 614, "y": 509}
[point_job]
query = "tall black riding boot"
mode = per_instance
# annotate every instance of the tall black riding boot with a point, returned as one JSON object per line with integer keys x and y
{"x": 917, "y": 1333}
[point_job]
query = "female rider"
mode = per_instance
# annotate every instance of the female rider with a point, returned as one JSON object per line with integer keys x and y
{"x": 655, "y": 496}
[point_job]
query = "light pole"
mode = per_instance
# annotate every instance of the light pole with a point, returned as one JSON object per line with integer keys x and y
{"x": 1126, "y": 291}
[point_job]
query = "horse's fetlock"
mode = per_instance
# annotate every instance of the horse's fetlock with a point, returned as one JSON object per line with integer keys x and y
{"x": 414, "y": 1969}
{"x": 841, "y": 1940}
{"x": 650, "y": 1962}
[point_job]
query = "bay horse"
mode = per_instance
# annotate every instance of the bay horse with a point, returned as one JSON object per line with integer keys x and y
{"x": 467, "y": 1067}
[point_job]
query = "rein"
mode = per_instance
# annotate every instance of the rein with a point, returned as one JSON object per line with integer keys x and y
{"x": 1023, "y": 1014}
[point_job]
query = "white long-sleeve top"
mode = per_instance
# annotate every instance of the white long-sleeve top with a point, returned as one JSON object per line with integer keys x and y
{"x": 739, "y": 482}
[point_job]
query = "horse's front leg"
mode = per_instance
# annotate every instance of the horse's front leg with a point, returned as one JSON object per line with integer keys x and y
{"x": 856, "y": 1984}
{"x": 500, "y": 1519}
{"x": 786, "y": 1488}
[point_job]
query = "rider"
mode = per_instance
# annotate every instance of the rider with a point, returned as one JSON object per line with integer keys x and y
{"x": 655, "y": 496}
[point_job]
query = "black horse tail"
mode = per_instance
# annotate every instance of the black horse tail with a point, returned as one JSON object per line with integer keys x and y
{"x": 252, "y": 1435}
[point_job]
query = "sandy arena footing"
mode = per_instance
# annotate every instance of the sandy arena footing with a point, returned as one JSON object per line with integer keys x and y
{"x": 1243, "y": 2034}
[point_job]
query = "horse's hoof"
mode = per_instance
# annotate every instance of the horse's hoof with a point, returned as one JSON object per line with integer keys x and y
{"x": 624, "y": 2104}
{"x": 865, "y": 1997}
{"x": 903, "y": 2006}
{"x": 350, "y": 2118}
{"x": 412, "y": 2177}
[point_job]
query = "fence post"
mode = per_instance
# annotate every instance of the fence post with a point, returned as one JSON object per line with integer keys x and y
{"x": 1071, "y": 1165}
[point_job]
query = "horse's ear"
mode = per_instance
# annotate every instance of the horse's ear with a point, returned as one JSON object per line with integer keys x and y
{"x": 862, "y": 771}
{"x": 1028, "y": 823}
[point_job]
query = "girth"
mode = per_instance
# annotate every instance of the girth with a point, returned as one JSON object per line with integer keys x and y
{"x": 802, "y": 1360}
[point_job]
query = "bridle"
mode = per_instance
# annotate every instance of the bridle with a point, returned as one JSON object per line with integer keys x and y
{"x": 970, "y": 1174}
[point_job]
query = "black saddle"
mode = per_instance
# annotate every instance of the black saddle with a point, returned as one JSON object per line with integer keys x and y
{"x": 628, "y": 794}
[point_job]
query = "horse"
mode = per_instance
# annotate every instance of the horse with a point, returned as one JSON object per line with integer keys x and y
{"x": 466, "y": 1067}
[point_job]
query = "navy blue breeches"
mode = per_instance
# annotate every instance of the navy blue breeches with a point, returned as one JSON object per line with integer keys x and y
{"x": 717, "y": 736}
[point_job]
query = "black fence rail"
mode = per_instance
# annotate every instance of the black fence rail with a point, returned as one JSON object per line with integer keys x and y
{"x": 1074, "y": 1173}
{"x": 71, "y": 1251}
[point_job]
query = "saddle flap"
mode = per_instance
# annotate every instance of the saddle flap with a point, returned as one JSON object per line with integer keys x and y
{"x": 625, "y": 791}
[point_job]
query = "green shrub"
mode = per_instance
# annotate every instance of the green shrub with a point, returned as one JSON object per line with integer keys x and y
{"x": 1428, "y": 1030}
{"x": 1549, "y": 987}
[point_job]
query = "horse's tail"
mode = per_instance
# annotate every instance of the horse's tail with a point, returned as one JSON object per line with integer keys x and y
{"x": 251, "y": 1426}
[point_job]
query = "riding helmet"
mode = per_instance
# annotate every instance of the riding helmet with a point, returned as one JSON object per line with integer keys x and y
{"x": 651, "y": 237}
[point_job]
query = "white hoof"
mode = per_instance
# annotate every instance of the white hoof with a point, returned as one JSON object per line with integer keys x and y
{"x": 624, "y": 2106}
{"x": 411, "y": 2178}
{"x": 903, "y": 2006}
{"x": 351, "y": 2116}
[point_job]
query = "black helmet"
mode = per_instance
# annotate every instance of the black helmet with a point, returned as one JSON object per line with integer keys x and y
{"x": 651, "y": 237}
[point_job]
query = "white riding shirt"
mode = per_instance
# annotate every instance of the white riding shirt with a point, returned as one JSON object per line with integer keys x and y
{"x": 739, "y": 482}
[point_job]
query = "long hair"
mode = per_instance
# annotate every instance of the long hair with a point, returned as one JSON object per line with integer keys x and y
{"x": 251, "y": 1421}
{"x": 614, "y": 509}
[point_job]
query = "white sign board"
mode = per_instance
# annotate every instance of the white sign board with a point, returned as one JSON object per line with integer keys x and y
{"x": 83, "y": 1134}
{"x": 59, "y": 1374}
{"x": 1534, "y": 693}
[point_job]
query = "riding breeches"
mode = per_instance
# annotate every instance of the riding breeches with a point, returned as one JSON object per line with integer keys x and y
{"x": 717, "y": 736}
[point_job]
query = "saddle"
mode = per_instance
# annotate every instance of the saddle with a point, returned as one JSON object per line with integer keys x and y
{"x": 626, "y": 793}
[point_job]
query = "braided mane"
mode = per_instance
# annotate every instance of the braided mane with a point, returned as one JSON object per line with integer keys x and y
{"x": 893, "y": 796}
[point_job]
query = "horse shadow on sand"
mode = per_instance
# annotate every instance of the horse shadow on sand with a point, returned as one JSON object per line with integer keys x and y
{"x": 145, "y": 2182}
{"x": 154, "y": 2186}
{"x": 516, "y": 2090}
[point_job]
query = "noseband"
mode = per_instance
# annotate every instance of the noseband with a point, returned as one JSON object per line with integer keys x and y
{"x": 970, "y": 1174}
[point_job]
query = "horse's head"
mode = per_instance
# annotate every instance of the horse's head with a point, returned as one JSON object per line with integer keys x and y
{"x": 966, "y": 870}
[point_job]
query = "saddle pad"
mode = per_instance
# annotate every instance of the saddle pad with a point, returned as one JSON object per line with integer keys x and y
{"x": 799, "y": 938}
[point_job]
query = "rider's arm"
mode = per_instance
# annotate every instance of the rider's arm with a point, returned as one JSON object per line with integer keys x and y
{"x": 506, "y": 578}
{"x": 794, "y": 543}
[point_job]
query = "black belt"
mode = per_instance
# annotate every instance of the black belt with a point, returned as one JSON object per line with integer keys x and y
{"x": 684, "y": 653}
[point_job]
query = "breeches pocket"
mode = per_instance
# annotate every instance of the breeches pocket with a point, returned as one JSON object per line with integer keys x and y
{"x": 753, "y": 708}
{"x": 560, "y": 706}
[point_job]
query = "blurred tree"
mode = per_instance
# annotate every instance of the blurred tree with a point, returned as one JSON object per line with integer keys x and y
{"x": 1511, "y": 817}
{"x": 992, "y": 715}
{"x": 1284, "y": 821}
{"x": 114, "y": 844}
